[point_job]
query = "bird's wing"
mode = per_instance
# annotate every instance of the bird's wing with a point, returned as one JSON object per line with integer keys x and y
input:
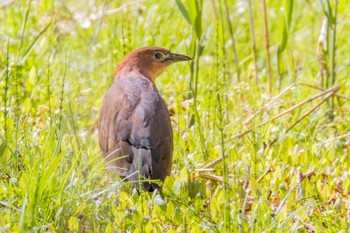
{"x": 135, "y": 118}
{"x": 113, "y": 149}
{"x": 151, "y": 135}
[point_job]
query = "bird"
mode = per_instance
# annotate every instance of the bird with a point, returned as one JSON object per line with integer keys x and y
{"x": 135, "y": 133}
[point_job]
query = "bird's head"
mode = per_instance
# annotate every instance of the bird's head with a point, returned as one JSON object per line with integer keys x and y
{"x": 149, "y": 61}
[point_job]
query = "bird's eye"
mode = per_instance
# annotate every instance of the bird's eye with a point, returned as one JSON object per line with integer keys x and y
{"x": 158, "y": 55}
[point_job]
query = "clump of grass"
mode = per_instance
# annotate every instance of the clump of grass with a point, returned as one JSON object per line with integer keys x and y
{"x": 249, "y": 160}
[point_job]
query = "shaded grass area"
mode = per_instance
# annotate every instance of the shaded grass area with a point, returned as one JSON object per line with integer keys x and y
{"x": 57, "y": 60}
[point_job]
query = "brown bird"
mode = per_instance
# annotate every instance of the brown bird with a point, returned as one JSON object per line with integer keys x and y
{"x": 135, "y": 133}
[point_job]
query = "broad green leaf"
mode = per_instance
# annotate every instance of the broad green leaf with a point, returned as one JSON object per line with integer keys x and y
{"x": 213, "y": 208}
{"x": 150, "y": 228}
{"x": 289, "y": 6}
{"x": 178, "y": 215}
{"x": 192, "y": 10}
{"x": 198, "y": 20}
{"x": 168, "y": 186}
{"x": 184, "y": 176}
{"x": 73, "y": 223}
{"x": 183, "y": 11}
{"x": 170, "y": 210}
{"x": 109, "y": 228}
{"x": 285, "y": 25}
{"x": 3, "y": 146}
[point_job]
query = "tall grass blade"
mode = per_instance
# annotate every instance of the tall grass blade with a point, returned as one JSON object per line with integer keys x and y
{"x": 286, "y": 23}
{"x": 267, "y": 46}
{"x": 236, "y": 60}
{"x": 183, "y": 11}
{"x": 32, "y": 45}
{"x": 252, "y": 34}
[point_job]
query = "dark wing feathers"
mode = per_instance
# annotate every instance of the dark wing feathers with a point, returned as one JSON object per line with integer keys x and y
{"x": 135, "y": 117}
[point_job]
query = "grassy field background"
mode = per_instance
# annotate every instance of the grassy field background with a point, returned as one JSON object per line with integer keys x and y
{"x": 284, "y": 168}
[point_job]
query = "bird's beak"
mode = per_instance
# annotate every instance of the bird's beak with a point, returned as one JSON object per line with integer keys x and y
{"x": 173, "y": 57}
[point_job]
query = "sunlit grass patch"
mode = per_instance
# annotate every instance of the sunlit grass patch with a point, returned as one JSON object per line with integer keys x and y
{"x": 282, "y": 168}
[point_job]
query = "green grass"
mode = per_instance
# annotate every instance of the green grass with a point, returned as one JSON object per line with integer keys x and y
{"x": 57, "y": 60}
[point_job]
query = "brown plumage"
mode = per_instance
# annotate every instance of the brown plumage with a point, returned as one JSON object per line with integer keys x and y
{"x": 135, "y": 133}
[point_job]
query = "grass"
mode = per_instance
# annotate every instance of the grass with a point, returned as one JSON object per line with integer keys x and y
{"x": 285, "y": 174}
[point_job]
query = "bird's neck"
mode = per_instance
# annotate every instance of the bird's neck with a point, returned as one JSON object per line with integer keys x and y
{"x": 133, "y": 70}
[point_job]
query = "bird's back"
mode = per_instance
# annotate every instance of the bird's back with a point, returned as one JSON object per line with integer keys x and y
{"x": 135, "y": 133}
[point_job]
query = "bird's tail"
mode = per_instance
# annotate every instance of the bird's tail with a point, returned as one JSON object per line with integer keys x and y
{"x": 141, "y": 169}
